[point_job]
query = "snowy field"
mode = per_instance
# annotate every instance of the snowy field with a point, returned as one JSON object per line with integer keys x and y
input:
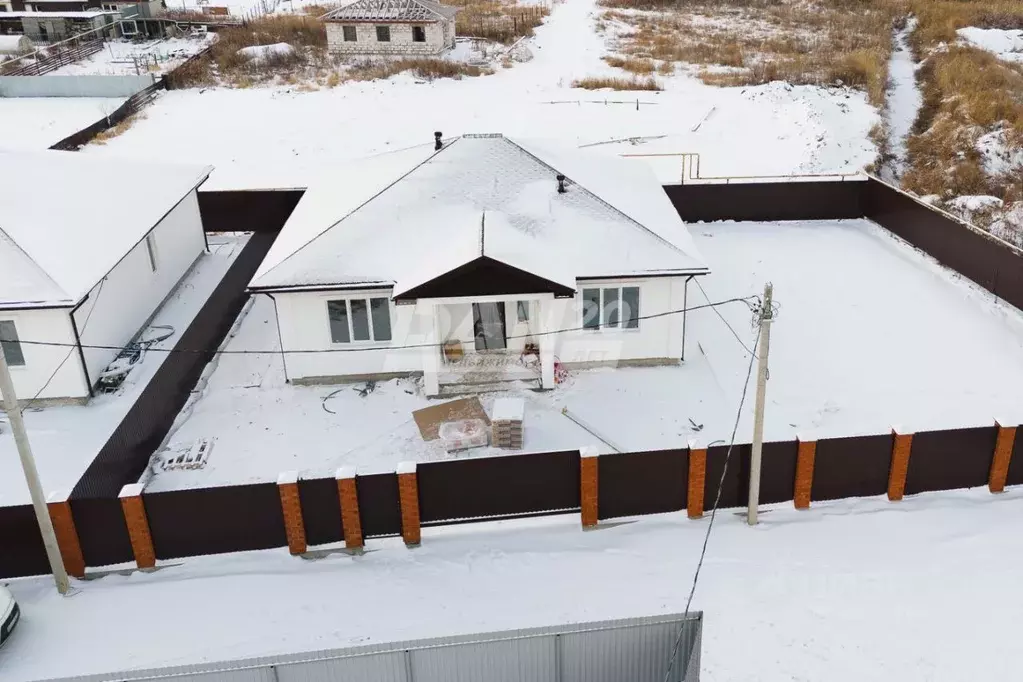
{"x": 862, "y": 343}
{"x": 119, "y": 57}
{"x": 848, "y": 591}
{"x": 38, "y": 122}
{"x": 281, "y": 137}
{"x": 1003, "y": 43}
{"x": 66, "y": 439}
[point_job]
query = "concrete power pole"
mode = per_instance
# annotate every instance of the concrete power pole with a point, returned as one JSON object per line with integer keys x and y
{"x": 764, "y": 346}
{"x": 32, "y": 476}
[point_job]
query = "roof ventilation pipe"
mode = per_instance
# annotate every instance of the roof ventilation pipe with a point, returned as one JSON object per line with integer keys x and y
{"x": 437, "y": 143}
{"x": 561, "y": 184}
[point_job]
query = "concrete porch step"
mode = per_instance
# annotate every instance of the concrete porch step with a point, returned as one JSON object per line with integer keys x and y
{"x": 465, "y": 388}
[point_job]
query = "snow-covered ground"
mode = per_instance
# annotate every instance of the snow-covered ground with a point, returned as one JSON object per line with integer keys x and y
{"x": 862, "y": 343}
{"x": 282, "y": 137}
{"x": 66, "y": 439}
{"x": 923, "y": 589}
{"x": 1006, "y": 44}
{"x": 38, "y": 122}
{"x": 904, "y": 98}
{"x": 119, "y": 57}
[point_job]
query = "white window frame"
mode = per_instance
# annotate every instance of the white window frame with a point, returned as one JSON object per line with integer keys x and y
{"x": 368, "y": 300}
{"x": 21, "y": 348}
{"x": 602, "y": 325}
{"x": 152, "y": 252}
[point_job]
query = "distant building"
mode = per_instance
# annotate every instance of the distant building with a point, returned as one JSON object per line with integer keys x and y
{"x": 391, "y": 27}
{"x": 142, "y": 9}
{"x": 50, "y": 27}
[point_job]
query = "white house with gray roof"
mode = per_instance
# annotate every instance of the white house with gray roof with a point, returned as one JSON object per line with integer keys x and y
{"x": 391, "y": 27}
{"x": 479, "y": 260}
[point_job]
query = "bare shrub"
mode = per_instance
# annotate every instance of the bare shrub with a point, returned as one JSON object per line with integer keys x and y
{"x": 422, "y": 67}
{"x": 604, "y": 82}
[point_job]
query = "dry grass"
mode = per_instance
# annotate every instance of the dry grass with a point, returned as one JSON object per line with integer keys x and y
{"x": 503, "y": 21}
{"x": 119, "y": 129}
{"x": 640, "y": 67}
{"x": 420, "y": 67}
{"x": 604, "y": 82}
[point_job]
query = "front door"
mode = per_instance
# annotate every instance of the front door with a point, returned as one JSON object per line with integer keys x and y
{"x": 488, "y": 326}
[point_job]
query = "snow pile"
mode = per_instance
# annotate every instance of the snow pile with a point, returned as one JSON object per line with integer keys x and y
{"x": 258, "y": 54}
{"x": 975, "y": 203}
{"x": 997, "y": 153}
{"x": 1004, "y": 43}
{"x": 1009, "y": 225}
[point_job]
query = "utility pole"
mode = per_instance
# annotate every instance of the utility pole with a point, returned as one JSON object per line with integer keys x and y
{"x": 764, "y": 346}
{"x": 32, "y": 476}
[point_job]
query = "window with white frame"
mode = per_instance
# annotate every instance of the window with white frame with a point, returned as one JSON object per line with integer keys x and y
{"x": 10, "y": 343}
{"x": 614, "y": 307}
{"x": 151, "y": 250}
{"x": 359, "y": 320}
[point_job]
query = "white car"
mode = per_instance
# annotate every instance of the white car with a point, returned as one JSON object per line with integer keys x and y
{"x": 9, "y": 614}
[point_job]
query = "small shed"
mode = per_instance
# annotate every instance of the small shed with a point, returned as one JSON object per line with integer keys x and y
{"x": 391, "y": 27}
{"x": 15, "y": 44}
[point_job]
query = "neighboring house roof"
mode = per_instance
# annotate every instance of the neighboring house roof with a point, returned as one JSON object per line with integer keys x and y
{"x": 67, "y": 218}
{"x": 401, "y": 219}
{"x": 85, "y": 14}
{"x": 392, "y": 10}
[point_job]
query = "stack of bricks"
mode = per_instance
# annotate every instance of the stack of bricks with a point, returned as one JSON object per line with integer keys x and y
{"x": 506, "y": 423}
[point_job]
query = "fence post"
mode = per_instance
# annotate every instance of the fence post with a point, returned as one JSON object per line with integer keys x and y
{"x": 697, "y": 480}
{"x": 807, "y": 452}
{"x": 138, "y": 525}
{"x": 67, "y": 534}
{"x": 902, "y": 445}
{"x": 291, "y": 506}
{"x": 589, "y": 502}
{"x": 348, "y": 495}
{"x": 1002, "y": 457}
{"x": 408, "y": 497}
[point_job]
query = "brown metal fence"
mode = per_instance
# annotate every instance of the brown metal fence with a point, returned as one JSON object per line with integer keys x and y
{"x": 321, "y": 510}
{"x": 21, "y": 546}
{"x": 102, "y": 531}
{"x": 634, "y": 483}
{"x": 764, "y": 201}
{"x": 955, "y": 458}
{"x": 379, "y": 505}
{"x": 856, "y": 466}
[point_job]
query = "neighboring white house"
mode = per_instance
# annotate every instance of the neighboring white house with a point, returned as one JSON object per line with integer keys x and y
{"x": 89, "y": 249}
{"x": 391, "y": 27}
{"x": 502, "y": 249}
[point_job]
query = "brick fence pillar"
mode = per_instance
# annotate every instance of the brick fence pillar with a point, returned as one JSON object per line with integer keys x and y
{"x": 589, "y": 465}
{"x": 902, "y": 445}
{"x": 351, "y": 520}
{"x": 138, "y": 525}
{"x": 67, "y": 534}
{"x": 697, "y": 480}
{"x": 408, "y": 496}
{"x": 291, "y": 506}
{"x": 805, "y": 456}
{"x": 1002, "y": 457}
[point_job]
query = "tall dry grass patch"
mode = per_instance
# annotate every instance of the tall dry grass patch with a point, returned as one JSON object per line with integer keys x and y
{"x": 611, "y": 83}
{"x": 504, "y": 21}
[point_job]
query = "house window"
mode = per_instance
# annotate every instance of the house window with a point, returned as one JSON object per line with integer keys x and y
{"x": 350, "y": 34}
{"x": 383, "y": 34}
{"x": 151, "y": 250}
{"x": 523, "y": 311}
{"x": 359, "y": 319}
{"x": 11, "y": 345}
{"x": 418, "y": 34}
{"x": 611, "y": 307}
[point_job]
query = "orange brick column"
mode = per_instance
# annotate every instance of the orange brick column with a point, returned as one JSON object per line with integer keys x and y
{"x": 902, "y": 445}
{"x": 408, "y": 496}
{"x": 67, "y": 534}
{"x": 291, "y": 506}
{"x": 1003, "y": 455}
{"x": 697, "y": 480}
{"x": 804, "y": 473}
{"x": 589, "y": 464}
{"x": 351, "y": 520}
{"x": 138, "y": 525}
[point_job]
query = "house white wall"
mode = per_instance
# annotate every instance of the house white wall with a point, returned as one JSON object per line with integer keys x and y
{"x": 304, "y": 325}
{"x": 120, "y": 305}
{"x": 439, "y": 36}
{"x": 41, "y": 362}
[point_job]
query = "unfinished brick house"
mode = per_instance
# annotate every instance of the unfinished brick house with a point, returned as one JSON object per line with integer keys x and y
{"x": 391, "y": 27}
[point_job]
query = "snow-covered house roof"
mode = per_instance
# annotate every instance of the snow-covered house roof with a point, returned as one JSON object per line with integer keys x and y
{"x": 67, "y": 218}
{"x": 391, "y": 10}
{"x": 405, "y": 218}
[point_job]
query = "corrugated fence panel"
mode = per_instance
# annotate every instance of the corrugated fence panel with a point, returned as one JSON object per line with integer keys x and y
{"x": 379, "y": 505}
{"x": 851, "y": 467}
{"x": 510, "y": 660}
{"x": 636, "y": 483}
{"x": 21, "y": 545}
{"x": 950, "y": 459}
{"x": 233, "y": 518}
{"x": 778, "y": 471}
{"x": 321, "y": 510}
{"x": 824, "y": 200}
{"x": 265, "y": 674}
{"x": 777, "y": 474}
{"x": 637, "y": 654}
{"x": 1015, "y": 476}
{"x": 102, "y": 532}
{"x": 496, "y": 487}
{"x": 389, "y": 667}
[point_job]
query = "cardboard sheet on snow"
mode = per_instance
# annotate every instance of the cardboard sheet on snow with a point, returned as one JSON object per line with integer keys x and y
{"x": 430, "y": 418}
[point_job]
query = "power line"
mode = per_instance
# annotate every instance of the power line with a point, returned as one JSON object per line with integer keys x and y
{"x": 722, "y": 317}
{"x": 713, "y": 512}
{"x": 315, "y": 351}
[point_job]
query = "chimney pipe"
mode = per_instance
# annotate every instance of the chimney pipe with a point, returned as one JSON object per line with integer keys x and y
{"x": 561, "y": 184}
{"x": 437, "y": 144}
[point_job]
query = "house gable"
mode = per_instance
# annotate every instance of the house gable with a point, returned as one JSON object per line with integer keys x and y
{"x": 484, "y": 276}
